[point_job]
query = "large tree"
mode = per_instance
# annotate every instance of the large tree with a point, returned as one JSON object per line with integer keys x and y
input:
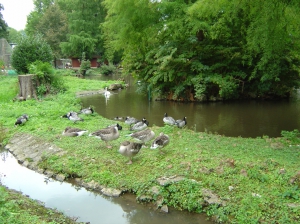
{"x": 228, "y": 49}
{"x": 85, "y": 35}
{"x": 3, "y": 24}
{"x": 54, "y": 27}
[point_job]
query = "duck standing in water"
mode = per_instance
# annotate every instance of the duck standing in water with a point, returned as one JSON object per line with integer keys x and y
{"x": 107, "y": 134}
{"x": 181, "y": 123}
{"x": 168, "y": 120}
{"x": 73, "y": 132}
{"x": 87, "y": 111}
{"x": 21, "y": 120}
{"x": 106, "y": 93}
{"x": 130, "y": 149}
{"x": 141, "y": 125}
{"x": 143, "y": 136}
{"x": 161, "y": 141}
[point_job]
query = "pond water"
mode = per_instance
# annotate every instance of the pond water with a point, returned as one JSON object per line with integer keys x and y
{"x": 85, "y": 205}
{"x": 233, "y": 118}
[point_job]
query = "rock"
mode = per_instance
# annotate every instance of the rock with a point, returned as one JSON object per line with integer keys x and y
{"x": 115, "y": 86}
{"x": 60, "y": 177}
{"x": 211, "y": 198}
{"x": 144, "y": 198}
{"x": 111, "y": 192}
{"x": 154, "y": 190}
{"x": 168, "y": 180}
{"x": 164, "y": 208}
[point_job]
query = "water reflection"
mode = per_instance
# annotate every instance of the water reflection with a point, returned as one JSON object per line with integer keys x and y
{"x": 86, "y": 205}
{"x": 235, "y": 118}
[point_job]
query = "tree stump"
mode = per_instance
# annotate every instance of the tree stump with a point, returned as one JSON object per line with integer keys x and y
{"x": 27, "y": 89}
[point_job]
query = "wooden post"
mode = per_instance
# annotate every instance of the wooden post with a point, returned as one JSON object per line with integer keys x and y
{"x": 27, "y": 89}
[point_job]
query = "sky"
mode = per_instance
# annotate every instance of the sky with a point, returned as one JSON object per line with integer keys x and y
{"x": 15, "y": 12}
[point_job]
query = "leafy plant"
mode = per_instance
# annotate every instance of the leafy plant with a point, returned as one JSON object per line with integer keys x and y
{"x": 29, "y": 50}
{"x": 85, "y": 65}
{"x": 107, "y": 69}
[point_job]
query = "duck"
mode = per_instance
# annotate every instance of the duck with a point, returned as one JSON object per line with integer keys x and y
{"x": 131, "y": 120}
{"x": 73, "y": 116}
{"x": 107, "y": 134}
{"x": 67, "y": 114}
{"x": 116, "y": 125}
{"x": 160, "y": 141}
{"x": 130, "y": 149}
{"x": 87, "y": 111}
{"x": 141, "y": 125}
{"x": 143, "y": 136}
{"x": 106, "y": 92}
{"x": 73, "y": 132}
{"x": 118, "y": 118}
{"x": 181, "y": 123}
{"x": 21, "y": 120}
{"x": 168, "y": 120}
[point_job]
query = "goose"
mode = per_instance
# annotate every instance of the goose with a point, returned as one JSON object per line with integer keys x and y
{"x": 116, "y": 125}
{"x": 87, "y": 111}
{"x": 168, "y": 120}
{"x": 141, "y": 125}
{"x": 160, "y": 141}
{"x": 67, "y": 114}
{"x": 181, "y": 123}
{"x": 143, "y": 136}
{"x": 73, "y": 132}
{"x": 131, "y": 120}
{"x": 130, "y": 149}
{"x": 106, "y": 92}
{"x": 22, "y": 119}
{"x": 118, "y": 118}
{"x": 107, "y": 134}
{"x": 73, "y": 116}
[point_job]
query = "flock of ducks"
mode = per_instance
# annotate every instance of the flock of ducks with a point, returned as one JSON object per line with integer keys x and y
{"x": 141, "y": 133}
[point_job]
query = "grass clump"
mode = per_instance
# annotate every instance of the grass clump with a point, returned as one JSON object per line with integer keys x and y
{"x": 253, "y": 179}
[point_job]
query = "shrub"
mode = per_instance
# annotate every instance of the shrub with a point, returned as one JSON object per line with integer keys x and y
{"x": 85, "y": 65}
{"x": 29, "y": 50}
{"x": 46, "y": 81}
{"x": 107, "y": 69}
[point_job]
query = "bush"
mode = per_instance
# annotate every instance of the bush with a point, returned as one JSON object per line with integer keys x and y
{"x": 107, "y": 69}
{"x": 29, "y": 50}
{"x": 46, "y": 81}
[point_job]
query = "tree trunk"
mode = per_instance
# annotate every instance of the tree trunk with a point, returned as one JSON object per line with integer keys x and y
{"x": 27, "y": 89}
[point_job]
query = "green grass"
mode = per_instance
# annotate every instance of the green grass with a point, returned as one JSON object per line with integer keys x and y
{"x": 260, "y": 170}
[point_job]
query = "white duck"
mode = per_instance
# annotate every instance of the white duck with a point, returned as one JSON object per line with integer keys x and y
{"x": 130, "y": 149}
{"x": 73, "y": 132}
{"x": 107, "y": 134}
{"x": 168, "y": 120}
{"x": 161, "y": 141}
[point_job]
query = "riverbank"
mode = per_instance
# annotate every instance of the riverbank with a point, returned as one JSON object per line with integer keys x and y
{"x": 233, "y": 180}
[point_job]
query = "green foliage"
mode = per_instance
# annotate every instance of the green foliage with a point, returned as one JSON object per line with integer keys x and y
{"x": 293, "y": 137}
{"x": 4, "y": 27}
{"x": 47, "y": 81}
{"x": 85, "y": 64}
{"x": 85, "y": 35}
{"x": 208, "y": 48}
{"x": 107, "y": 69}
{"x": 29, "y": 50}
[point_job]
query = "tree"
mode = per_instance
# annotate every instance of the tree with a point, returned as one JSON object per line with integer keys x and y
{"x": 14, "y": 35}
{"x": 220, "y": 49}
{"x": 29, "y": 50}
{"x": 3, "y": 25}
{"x": 54, "y": 27}
{"x": 84, "y": 19}
{"x": 33, "y": 19}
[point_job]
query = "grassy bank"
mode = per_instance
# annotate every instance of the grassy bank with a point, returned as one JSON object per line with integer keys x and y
{"x": 255, "y": 179}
